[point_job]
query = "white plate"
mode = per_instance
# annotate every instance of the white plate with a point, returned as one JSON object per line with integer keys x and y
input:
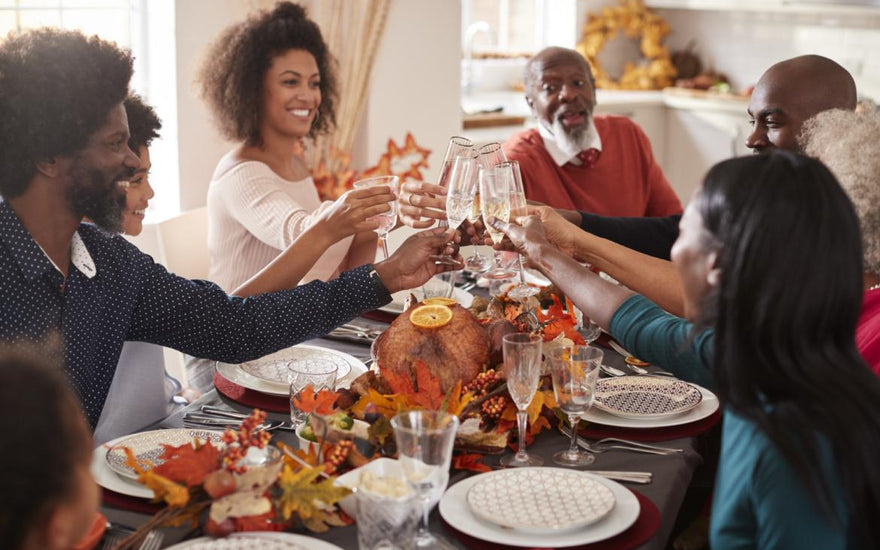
{"x": 707, "y": 406}
{"x": 236, "y": 375}
{"x": 546, "y": 499}
{"x": 273, "y": 369}
{"x": 455, "y": 510}
{"x": 463, "y": 297}
{"x": 147, "y": 446}
{"x": 535, "y": 277}
{"x": 261, "y": 540}
{"x": 107, "y": 478}
{"x": 645, "y": 396}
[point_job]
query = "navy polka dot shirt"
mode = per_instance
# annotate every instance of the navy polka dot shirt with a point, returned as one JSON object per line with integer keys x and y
{"x": 130, "y": 297}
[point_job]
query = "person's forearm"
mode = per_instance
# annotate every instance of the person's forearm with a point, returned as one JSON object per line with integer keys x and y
{"x": 289, "y": 267}
{"x": 652, "y": 277}
{"x": 597, "y": 298}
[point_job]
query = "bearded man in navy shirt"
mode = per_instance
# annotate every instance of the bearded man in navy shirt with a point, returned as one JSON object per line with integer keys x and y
{"x": 63, "y": 152}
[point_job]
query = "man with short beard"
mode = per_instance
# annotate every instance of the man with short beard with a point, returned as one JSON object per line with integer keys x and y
{"x": 575, "y": 161}
{"x": 63, "y": 155}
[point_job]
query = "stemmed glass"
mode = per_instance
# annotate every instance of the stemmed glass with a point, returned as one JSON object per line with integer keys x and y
{"x": 495, "y": 201}
{"x": 491, "y": 156}
{"x": 522, "y": 367}
{"x": 518, "y": 208}
{"x": 574, "y": 371}
{"x": 387, "y": 220}
{"x": 424, "y": 446}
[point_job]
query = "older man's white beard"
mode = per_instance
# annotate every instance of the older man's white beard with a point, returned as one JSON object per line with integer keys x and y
{"x": 571, "y": 142}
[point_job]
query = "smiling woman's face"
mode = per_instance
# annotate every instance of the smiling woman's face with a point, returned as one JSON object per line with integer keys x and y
{"x": 694, "y": 261}
{"x": 137, "y": 196}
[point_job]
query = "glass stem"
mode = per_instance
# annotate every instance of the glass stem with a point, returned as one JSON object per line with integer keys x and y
{"x": 522, "y": 418}
{"x": 384, "y": 240}
{"x": 573, "y": 421}
{"x": 522, "y": 273}
{"x": 423, "y": 521}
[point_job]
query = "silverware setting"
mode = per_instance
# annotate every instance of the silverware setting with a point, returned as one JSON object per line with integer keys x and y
{"x": 634, "y": 368}
{"x": 642, "y": 478}
{"x": 355, "y": 331}
{"x": 216, "y": 417}
{"x": 610, "y": 443}
{"x": 117, "y": 533}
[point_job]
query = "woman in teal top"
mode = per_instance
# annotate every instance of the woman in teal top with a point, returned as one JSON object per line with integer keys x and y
{"x": 769, "y": 255}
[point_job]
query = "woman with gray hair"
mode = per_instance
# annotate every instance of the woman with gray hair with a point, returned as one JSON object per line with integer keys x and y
{"x": 849, "y": 145}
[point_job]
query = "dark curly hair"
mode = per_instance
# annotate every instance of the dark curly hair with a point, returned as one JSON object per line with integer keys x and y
{"x": 143, "y": 122}
{"x": 56, "y": 89}
{"x": 38, "y": 408}
{"x": 231, "y": 75}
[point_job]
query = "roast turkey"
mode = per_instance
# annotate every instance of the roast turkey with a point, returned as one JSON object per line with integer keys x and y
{"x": 458, "y": 350}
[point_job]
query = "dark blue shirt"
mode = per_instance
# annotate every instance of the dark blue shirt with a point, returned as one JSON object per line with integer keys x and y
{"x": 130, "y": 297}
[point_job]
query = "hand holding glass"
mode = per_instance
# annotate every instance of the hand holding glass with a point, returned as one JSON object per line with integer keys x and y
{"x": 388, "y": 219}
{"x": 574, "y": 371}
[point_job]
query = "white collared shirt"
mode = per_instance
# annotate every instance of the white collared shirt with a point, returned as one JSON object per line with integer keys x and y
{"x": 591, "y": 140}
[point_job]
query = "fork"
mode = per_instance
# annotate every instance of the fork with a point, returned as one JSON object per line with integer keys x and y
{"x": 117, "y": 533}
{"x": 211, "y": 411}
{"x": 598, "y": 447}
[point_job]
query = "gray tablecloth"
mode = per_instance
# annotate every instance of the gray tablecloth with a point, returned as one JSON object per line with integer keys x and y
{"x": 672, "y": 474}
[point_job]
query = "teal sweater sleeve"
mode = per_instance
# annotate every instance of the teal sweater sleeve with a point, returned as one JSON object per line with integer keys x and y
{"x": 652, "y": 334}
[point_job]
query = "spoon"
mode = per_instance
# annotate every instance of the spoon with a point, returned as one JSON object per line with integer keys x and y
{"x": 611, "y": 371}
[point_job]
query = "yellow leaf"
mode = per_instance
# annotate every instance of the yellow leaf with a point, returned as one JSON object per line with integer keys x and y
{"x": 386, "y": 405}
{"x": 456, "y": 401}
{"x": 301, "y": 495}
{"x": 174, "y": 494}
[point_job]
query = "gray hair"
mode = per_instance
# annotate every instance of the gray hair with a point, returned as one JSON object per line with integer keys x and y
{"x": 848, "y": 143}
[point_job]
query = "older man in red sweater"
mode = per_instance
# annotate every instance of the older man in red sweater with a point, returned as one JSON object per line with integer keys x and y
{"x": 576, "y": 161}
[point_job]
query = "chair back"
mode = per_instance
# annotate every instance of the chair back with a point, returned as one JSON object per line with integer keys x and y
{"x": 183, "y": 244}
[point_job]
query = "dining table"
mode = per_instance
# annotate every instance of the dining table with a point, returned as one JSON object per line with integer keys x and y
{"x": 672, "y": 473}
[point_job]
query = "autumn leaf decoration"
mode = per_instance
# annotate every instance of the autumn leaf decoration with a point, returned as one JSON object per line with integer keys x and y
{"x": 560, "y": 320}
{"x": 470, "y": 461}
{"x": 311, "y": 500}
{"x": 311, "y": 402}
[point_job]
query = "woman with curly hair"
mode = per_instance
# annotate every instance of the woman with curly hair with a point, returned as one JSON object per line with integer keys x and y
{"x": 802, "y": 409}
{"x": 270, "y": 82}
{"x": 849, "y": 145}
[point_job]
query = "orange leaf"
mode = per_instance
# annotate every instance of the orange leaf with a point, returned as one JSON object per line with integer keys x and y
{"x": 386, "y": 405}
{"x": 321, "y": 402}
{"x": 189, "y": 464}
{"x": 456, "y": 402}
{"x": 429, "y": 394}
{"x": 400, "y": 383}
{"x": 470, "y": 461}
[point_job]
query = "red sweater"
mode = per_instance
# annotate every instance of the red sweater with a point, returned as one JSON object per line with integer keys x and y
{"x": 626, "y": 180}
{"x": 868, "y": 329}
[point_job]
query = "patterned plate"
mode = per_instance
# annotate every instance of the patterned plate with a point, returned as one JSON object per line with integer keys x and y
{"x": 540, "y": 498}
{"x": 645, "y": 396}
{"x": 148, "y": 446}
{"x": 256, "y": 541}
{"x": 273, "y": 368}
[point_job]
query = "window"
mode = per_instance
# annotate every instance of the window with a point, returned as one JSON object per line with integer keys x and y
{"x": 128, "y": 23}
{"x": 514, "y": 28}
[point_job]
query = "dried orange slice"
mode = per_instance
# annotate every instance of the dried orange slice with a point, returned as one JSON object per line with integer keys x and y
{"x": 439, "y": 301}
{"x": 430, "y": 316}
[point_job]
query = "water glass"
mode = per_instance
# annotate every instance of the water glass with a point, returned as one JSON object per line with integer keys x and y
{"x": 439, "y": 286}
{"x": 387, "y": 511}
{"x": 424, "y": 445}
{"x": 522, "y": 367}
{"x": 311, "y": 374}
{"x": 574, "y": 371}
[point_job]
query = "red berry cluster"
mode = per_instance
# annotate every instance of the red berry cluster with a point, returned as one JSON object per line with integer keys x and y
{"x": 480, "y": 385}
{"x": 336, "y": 455}
{"x": 238, "y": 441}
{"x": 494, "y": 406}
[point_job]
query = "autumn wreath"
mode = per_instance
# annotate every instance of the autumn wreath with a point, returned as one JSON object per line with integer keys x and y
{"x": 635, "y": 21}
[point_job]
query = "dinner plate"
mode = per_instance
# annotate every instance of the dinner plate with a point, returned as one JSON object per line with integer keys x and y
{"x": 260, "y": 540}
{"x": 708, "y": 405}
{"x": 642, "y": 397}
{"x": 236, "y": 375}
{"x": 463, "y": 297}
{"x": 455, "y": 510}
{"x": 273, "y": 368}
{"x": 147, "y": 446}
{"x": 107, "y": 478}
{"x": 535, "y": 277}
{"x": 546, "y": 499}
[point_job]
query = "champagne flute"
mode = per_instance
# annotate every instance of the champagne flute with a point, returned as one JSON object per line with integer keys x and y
{"x": 458, "y": 146}
{"x": 518, "y": 208}
{"x": 387, "y": 220}
{"x": 495, "y": 202}
{"x": 574, "y": 371}
{"x": 424, "y": 446}
{"x": 491, "y": 155}
{"x": 522, "y": 367}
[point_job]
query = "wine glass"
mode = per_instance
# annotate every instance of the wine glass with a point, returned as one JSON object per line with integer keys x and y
{"x": 491, "y": 155}
{"x": 522, "y": 367}
{"x": 574, "y": 371}
{"x": 495, "y": 201}
{"x": 518, "y": 208}
{"x": 386, "y": 220}
{"x": 424, "y": 446}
